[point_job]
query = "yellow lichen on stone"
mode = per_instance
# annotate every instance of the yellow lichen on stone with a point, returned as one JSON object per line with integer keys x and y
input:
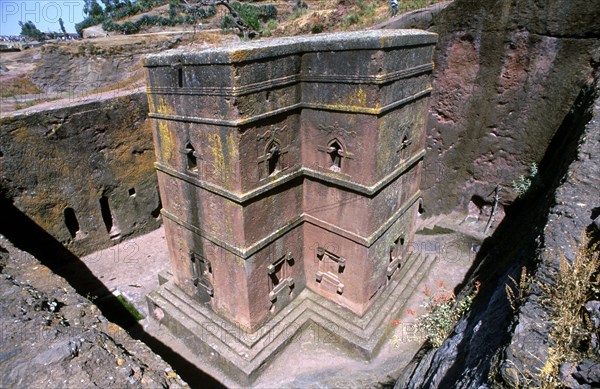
{"x": 358, "y": 99}
{"x": 115, "y": 331}
{"x": 216, "y": 149}
{"x": 232, "y": 150}
{"x": 151, "y": 105}
{"x": 163, "y": 107}
{"x": 384, "y": 148}
{"x": 238, "y": 56}
{"x": 165, "y": 141}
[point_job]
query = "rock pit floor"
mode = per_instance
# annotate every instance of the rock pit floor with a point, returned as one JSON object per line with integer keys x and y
{"x": 132, "y": 267}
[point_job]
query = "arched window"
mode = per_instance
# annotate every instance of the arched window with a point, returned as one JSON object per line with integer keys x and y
{"x": 336, "y": 153}
{"x": 192, "y": 158}
{"x": 202, "y": 274}
{"x": 107, "y": 216}
{"x": 404, "y": 143}
{"x": 273, "y": 158}
{"x": 180, "y": 77}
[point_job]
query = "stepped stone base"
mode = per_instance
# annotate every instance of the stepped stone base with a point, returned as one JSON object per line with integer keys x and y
{"x": 242, "y": 356}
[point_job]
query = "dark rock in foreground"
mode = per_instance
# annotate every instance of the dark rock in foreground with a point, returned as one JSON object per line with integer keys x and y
{"x": 52, "y": 337}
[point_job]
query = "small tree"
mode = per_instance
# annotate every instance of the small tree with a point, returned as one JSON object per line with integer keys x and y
{"x": 29, "y": 30}
{"x": 108, "y": 5}
{"x": 94, "y": 11}
{"x": 245, "y": 28}
{"x": 62, "y": 26}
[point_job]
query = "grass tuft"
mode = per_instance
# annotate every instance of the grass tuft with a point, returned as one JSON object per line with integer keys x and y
{"x": 571, "y": 335}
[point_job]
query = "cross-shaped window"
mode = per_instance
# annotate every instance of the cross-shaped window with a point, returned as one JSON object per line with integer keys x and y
{"x": 396, "y": 250}
{"x": 202, "y": 276}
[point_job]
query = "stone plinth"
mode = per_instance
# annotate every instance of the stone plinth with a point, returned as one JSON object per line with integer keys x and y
{"x": 289, "y": 171}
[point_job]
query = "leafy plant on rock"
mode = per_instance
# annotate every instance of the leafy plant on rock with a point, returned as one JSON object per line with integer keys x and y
{"x": 523, "y": 184}
{"x": 443, "y": 310}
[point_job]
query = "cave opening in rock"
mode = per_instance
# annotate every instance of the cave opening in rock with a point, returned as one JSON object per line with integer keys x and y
{"x": 131, "y": 192}
{"x": 106, "y": 214}
{"x": 479, "y": 204}
{"x": 71, "y": 221}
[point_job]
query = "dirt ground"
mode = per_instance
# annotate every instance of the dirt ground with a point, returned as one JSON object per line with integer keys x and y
{"x": 132, "y": 266}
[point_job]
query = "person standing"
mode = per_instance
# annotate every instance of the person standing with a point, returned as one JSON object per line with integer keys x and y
{"x": 394, "y": 4}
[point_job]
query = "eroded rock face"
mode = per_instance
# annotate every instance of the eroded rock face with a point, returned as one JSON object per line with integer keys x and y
{"x": 514, "y": 83}
{"x": 506, "y": 75}
{"x": 84, "y": 172}
{"x": 50, "y": 336}
{"x": 60, "y": 72}
{"x": 84, "y": 67}
{"x": 493, "y": 343}
{"x": 575, "y": 204}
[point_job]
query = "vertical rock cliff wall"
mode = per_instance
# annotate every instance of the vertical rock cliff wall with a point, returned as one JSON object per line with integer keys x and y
{"x": 507, "y": 73}
{"x": 82, "y": 172}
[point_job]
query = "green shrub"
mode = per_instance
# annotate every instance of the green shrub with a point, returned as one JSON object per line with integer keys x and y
{"x": 364, "y": 11}
{"x": 316, "y": 28}
{"x": 443, "y": 312}
{"x": 173, "y": 9}
{"x": 109, "y": 25}
{"x": 300, "y": 5}
{"x": 253, "y": 15}
{"x": 523, "y": 184}
{"x": 228, "y": 22}
{"x": 129, "y": 28}
{"x": 297, "y": 14}
{"x": 115, "y": 11}
{"x": 126, "y": 10}
{"x": 203, "y": 13}
{"x": 248, "y": 13}
{"x": 268, "y": 27}
{"x": 267, "y": 12}
{"x": 272, "y": 24}
{"x": 350, "y": 19}
{"x": 367, "y": 10}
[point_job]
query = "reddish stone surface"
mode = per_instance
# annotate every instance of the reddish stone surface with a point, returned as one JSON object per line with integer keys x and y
{"x": 290, "y": 163}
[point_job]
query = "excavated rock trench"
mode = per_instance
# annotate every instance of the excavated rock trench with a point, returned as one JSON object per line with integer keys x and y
{"x": 514, "y": 84}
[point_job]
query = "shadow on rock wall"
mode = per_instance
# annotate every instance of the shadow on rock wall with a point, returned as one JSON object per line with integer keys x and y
{"x": 493, "y": 342}
{"x": 26, "y": 235}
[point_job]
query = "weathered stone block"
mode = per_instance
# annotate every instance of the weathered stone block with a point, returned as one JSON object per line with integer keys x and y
{"x": 288, "y": 165}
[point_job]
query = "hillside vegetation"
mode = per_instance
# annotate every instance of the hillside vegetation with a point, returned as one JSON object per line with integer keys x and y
{"x": 248, "y": 18}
